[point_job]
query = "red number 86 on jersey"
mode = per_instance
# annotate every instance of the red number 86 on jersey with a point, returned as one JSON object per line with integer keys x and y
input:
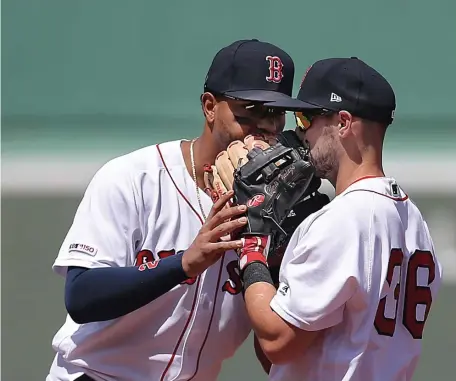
{"x": 415, "y": 296}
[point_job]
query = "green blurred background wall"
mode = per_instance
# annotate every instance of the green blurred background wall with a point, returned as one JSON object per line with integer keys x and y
{"x": 84, "y": 81}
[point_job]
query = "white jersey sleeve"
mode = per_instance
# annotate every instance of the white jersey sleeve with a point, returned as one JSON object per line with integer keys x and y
{"x": 320, "y": 270}
{"x": 106, "y": 223}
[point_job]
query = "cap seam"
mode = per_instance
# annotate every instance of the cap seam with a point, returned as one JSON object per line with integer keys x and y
{"x": 361, "y": 83}
{"x": 233, "y": 59}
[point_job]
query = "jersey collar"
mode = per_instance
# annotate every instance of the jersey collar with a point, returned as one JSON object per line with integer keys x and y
{"x": 385, "y": 186}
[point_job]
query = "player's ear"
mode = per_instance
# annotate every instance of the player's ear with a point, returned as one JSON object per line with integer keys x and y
{"x": 345, "y": 121}
{"x": 208, "y": 103}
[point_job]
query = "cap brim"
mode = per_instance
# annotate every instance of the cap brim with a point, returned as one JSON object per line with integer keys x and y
{"x": 271, "y": 99}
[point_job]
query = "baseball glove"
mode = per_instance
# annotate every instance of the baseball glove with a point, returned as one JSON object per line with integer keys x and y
{"x": 277, "y": 184}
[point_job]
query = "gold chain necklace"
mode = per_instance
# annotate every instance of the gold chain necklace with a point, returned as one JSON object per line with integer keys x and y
{"x": 198, "y": 196}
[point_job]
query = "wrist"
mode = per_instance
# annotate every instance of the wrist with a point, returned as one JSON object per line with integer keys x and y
{"x": 256, "y": 272}
{"x": 187, "y": 268}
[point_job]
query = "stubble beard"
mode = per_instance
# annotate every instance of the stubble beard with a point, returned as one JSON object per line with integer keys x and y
{"x": 325, "y": 162}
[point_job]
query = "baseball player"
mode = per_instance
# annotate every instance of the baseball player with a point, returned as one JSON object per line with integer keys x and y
{"x": 152, "y": 283}
{"x": 360, "y": 275}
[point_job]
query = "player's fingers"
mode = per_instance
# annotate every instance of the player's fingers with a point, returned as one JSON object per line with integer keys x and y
{"x": 226, "y": 214}
{"x": 223, "y": 246}
{"x": 219, "y": 204}
{"x": 226, "y": 228}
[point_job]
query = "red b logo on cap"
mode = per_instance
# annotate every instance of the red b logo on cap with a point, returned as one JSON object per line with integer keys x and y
{"x": 275, "y": 69}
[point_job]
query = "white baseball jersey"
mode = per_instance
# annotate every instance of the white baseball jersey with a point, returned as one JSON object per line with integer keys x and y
{"x": 363, "y": 269}
{"x": 137, "y": 208}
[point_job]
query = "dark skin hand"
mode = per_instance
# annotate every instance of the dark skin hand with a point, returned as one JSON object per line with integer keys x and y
{"x": 208, "y": 246}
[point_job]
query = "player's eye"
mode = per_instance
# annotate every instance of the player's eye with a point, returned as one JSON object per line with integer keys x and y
{"x": 244, "y": 120}
{"x": 260, "y": 111}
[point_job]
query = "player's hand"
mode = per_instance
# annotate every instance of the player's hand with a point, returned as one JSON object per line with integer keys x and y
{"x": 213, "y": 238}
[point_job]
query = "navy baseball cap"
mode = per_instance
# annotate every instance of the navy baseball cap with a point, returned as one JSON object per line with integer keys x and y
{"x": 348, "y": 84}
{"x": 255, "y": 71}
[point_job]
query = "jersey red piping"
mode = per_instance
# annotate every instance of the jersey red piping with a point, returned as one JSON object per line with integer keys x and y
{"x": 199, "y": 278}
{"x": 381, "y": 194}
{"x": 183, "y": 332}
{"x": 196, "y": 289}
{"x": 210, "y": 320}
{"x": 364, "y": 178}
{"x": 177, "y": 188}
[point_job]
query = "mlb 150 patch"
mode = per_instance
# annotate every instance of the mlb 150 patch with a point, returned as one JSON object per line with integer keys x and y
{"x": 82, "y": 248}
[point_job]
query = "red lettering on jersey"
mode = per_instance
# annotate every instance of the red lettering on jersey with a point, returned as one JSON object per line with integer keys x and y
{"x": 234, "y": 284}
{"x": 144, "y": 256}
{"x": 275, "y": 69}
{"x": 414, "y": 294}
{"x": 167, "y": 253}
{"x": 145, "y": 260}
{"x": 148, "y": 265}
{"x": 386, "y": 326}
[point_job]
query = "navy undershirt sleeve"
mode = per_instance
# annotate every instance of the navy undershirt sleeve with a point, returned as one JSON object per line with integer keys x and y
{"x": 110, "y": 292}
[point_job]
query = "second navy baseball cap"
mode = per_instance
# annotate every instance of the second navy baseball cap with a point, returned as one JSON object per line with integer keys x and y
{"x": 255, "y": 71}
{"x": 348, "y": 84}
